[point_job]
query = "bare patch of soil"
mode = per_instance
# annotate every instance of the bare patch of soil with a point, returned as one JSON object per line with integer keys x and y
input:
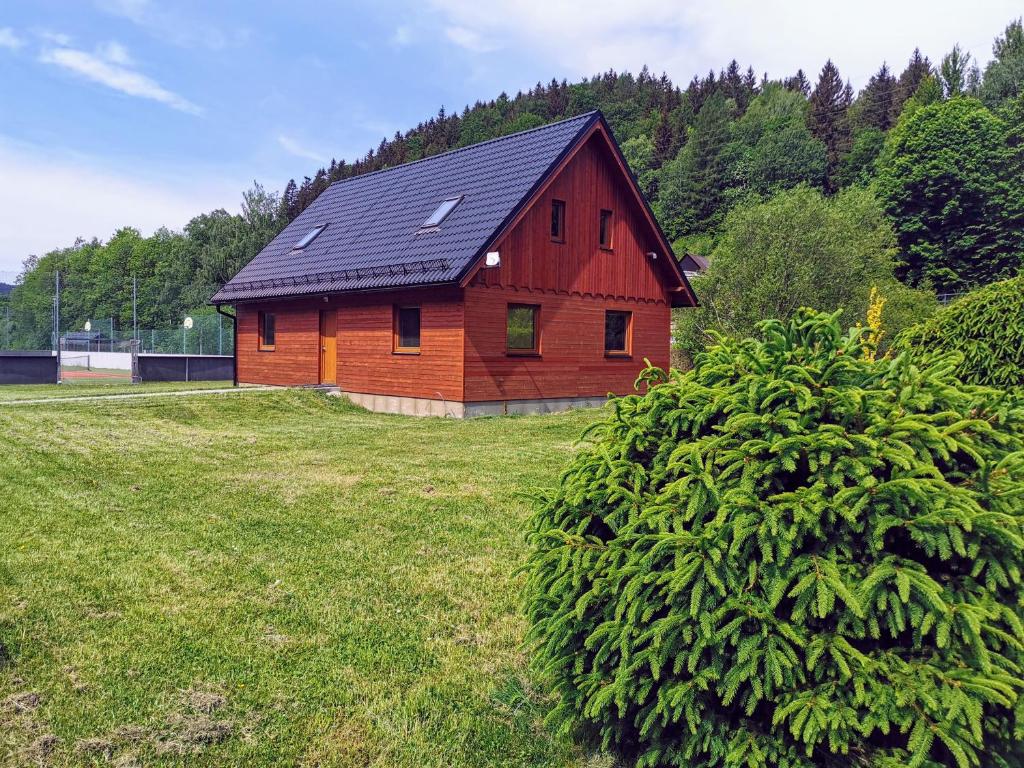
{"x": 188, "y": 735}
{"x": 206, "y": 702}
{"x": 20, "y": 703}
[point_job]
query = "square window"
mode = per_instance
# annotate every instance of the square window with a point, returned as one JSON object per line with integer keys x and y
{"x": 267, "y": 330}
{"x": 521, "y": 330}
{"x": 617, "y": 332}
{"x": 605, "y": 236}
{"x": 407, "y": 329}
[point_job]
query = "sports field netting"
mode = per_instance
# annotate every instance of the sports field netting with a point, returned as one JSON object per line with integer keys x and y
{"x": 80, "y": 367}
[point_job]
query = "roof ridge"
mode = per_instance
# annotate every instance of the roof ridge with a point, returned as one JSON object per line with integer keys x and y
{"x": 590, "y": 115}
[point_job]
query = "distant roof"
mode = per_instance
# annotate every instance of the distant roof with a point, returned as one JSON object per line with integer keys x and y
{"x": 693, "y": 264}
{"x": 376, "y": 234}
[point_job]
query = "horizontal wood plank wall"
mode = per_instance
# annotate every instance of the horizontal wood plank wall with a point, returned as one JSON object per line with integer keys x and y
{"x": 295, "y": 359}
{"x": 589, "y": 183}
{"x": 365, "y": 359}
{"x": 572, "y": 362}
{"x": 366, "y": 362}
{"x": 574, "y": 283}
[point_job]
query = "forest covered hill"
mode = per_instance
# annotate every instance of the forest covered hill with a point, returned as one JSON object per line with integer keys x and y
{"x": 939, "y": 144}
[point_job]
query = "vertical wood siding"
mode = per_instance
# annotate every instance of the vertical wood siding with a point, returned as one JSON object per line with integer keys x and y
{"x": 574, "y": 283}
{"x": 589, "y": 183}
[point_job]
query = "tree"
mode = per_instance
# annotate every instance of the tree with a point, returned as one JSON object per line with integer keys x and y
{"x": 878, "y": 104}
{"x": 797, "y": 249}
{"x": 918, "y": 68}
{"x": 664, "y": 138}
{"x": 798, "y": 83}
{"x": 947, "y": 178}
{"x": 985, "y": 328}
{"x": 959, "y": 73}
{"x": 829, "y": 120}
{"x": 858, "y": 167}
{"x": 640, "y": 154}
{"x": 694, "y": 185}
{"x": 176, "y": 273}
{"x": 772, "y": 147}
{"x": 791, "y": 556}
{"x": 1004, "y": 75}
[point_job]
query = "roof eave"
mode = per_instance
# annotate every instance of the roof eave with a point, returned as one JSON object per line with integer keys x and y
{"x": 312, "y": 294}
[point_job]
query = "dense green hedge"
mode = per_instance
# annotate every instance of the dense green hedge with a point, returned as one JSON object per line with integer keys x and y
{"x": 986, "y": 327}
{"x": 789, "y": 556}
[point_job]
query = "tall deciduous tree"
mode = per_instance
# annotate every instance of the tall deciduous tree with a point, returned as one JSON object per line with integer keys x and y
{"x": 1004, "y": 75}
{"x": 798, "y": 248}
{"x": 947, "y": 178}
{"x": 959, "y": 73}
{"x": 772, "y": 146}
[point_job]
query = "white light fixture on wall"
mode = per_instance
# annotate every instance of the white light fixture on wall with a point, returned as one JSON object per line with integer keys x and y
{"x": 492, "y": 259}
{"x": 653, "y": 255}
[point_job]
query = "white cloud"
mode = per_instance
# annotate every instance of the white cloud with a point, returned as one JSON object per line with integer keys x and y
{"x": 116, "y": 53}
{"x": 56, "y": 38}
{"x": 293, "y": 147}
{"x": 10, "y": 40}
{"x": 49, "y": 198}
{"x": 584, "y": 37}
{"x": 470, "y": 39}
{"x": 111, "y": 71}
{"x": 174, "y": 26}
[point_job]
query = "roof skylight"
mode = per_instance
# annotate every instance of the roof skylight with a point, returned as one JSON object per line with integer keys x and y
{"x": 442, "y": 212}
{"x": 309, "y": 238}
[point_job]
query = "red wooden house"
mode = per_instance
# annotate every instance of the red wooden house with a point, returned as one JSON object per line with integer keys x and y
{"x": 521, "y": 274}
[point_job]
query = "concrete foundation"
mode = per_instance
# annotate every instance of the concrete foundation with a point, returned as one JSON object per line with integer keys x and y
{"x": 419, "y": 406}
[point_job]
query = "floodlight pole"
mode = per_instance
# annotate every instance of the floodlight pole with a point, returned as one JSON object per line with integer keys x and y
{"x": 56, "y": 322}
{"x": 135, "y": 310}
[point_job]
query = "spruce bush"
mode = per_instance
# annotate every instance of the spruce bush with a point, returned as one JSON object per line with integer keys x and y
{"x": 986, "y": 327}
{"x": 789, "y": 556}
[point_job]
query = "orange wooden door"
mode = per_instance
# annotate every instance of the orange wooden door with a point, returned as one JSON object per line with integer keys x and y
{"x": 329, "y": 346}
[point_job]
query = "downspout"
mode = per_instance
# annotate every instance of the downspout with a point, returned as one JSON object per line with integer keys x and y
{"x": 234, "y": 340}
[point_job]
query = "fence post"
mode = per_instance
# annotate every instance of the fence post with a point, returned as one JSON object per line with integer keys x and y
{"x": 136, "y": 373}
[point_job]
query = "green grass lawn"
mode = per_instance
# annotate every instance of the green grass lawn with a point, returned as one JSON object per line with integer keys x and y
{"x": 268, "y": 579}
{"x": 85, "y": 387}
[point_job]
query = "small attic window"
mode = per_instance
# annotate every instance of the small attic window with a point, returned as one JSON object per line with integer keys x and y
{"x": 309, "y": 238}
{"x": 442, "y": 212}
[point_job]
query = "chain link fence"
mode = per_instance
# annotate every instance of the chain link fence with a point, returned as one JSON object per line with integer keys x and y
{"x": 209, "y": 335}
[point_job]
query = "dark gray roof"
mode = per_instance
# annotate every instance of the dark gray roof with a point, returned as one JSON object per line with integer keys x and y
{"x": 372, "y": 239}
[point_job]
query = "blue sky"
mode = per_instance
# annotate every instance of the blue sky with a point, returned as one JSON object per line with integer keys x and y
{"x": 147, "y": 112}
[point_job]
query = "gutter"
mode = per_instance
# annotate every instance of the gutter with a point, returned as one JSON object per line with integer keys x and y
{"x": 234, "y": 339}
